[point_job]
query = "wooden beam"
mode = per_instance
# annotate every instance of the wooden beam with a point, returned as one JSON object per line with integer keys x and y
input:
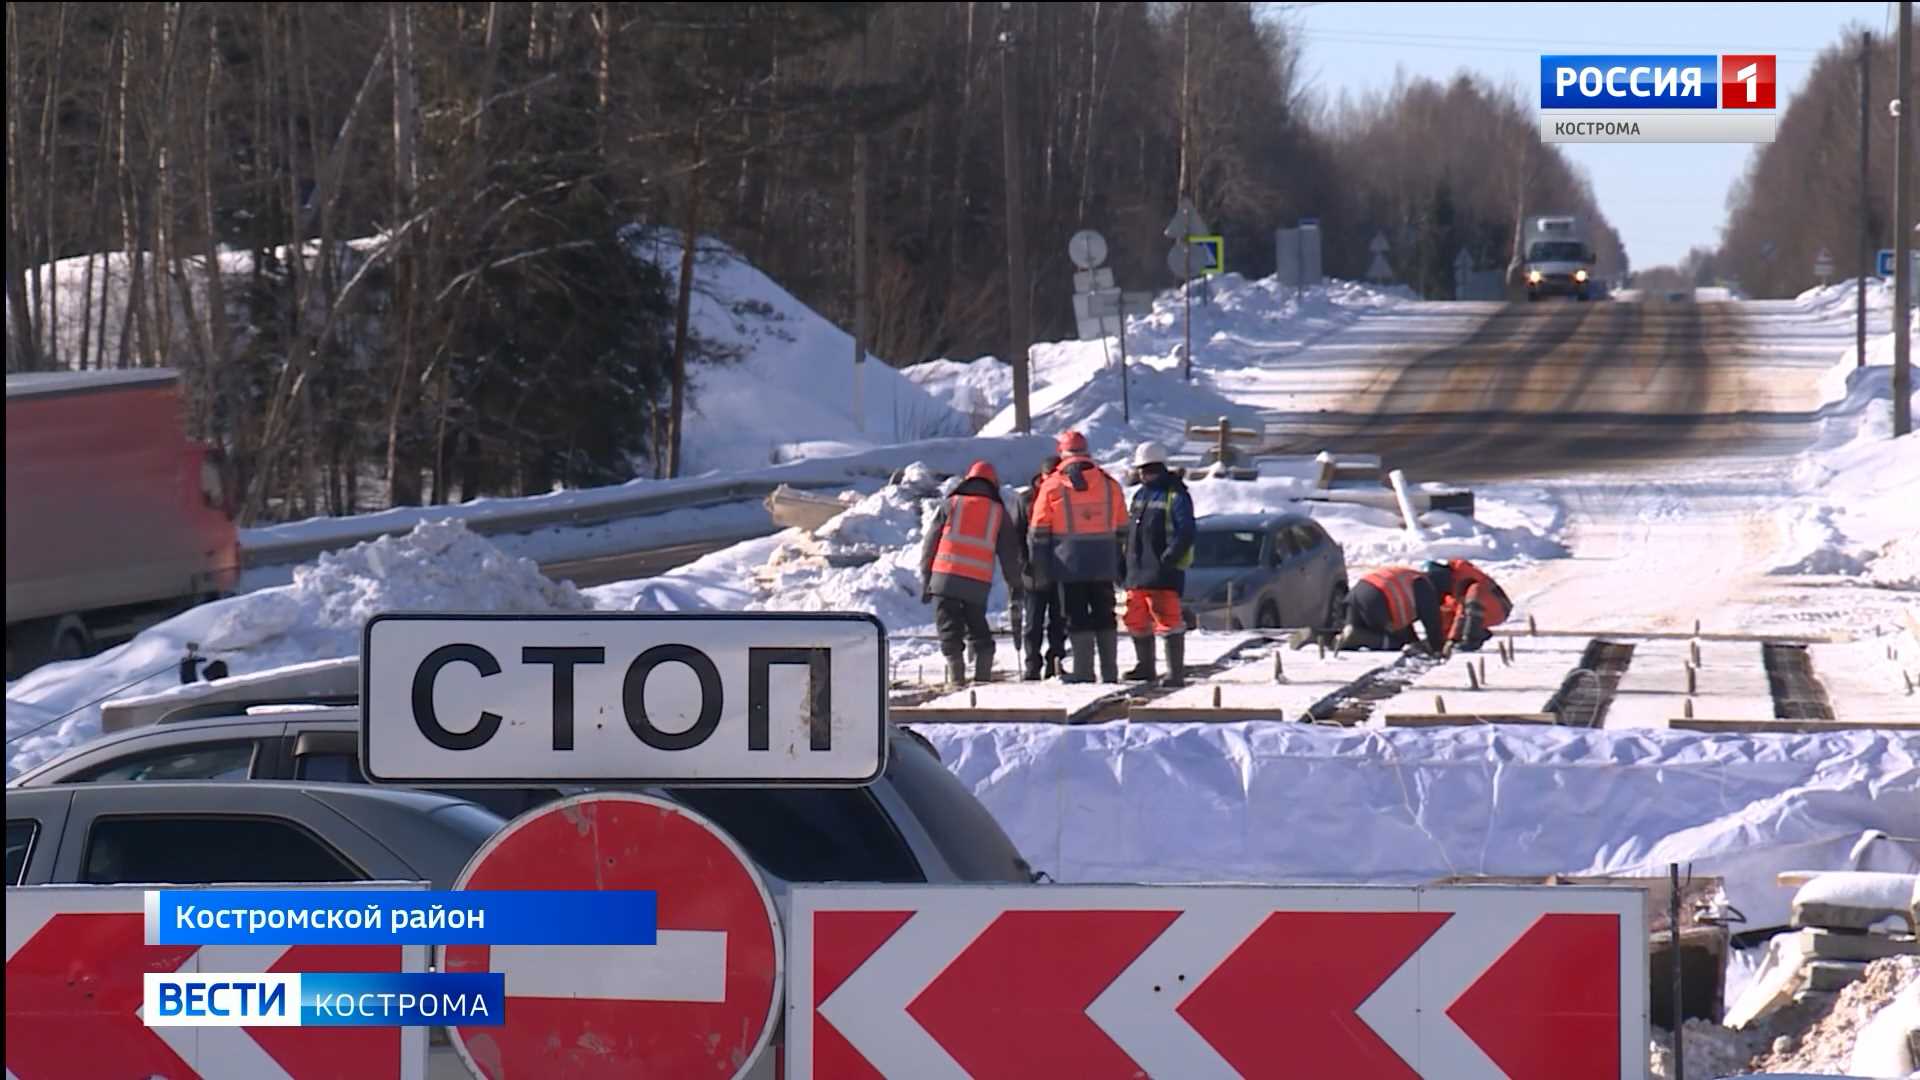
{"x": 1455, "y": 719}
{"x": 960, "y": 714}
{"x": 1788, "y": 727}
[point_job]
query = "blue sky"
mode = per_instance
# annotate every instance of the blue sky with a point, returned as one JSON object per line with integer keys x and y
{"x": 1663, "y": 198}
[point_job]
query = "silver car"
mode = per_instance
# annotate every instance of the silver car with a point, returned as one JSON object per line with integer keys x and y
{"x": 213, "y": 833}
{"x": 917, "y": 823}
{"x": 1264, "y": 570}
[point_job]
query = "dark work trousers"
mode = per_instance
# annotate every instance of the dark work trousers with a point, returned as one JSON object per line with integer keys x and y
{"x": 960, "y": 624}
{"x": 1088, "y": 606}
{"x": 1046, "y": 624}
{"x": 1367, "y": 620}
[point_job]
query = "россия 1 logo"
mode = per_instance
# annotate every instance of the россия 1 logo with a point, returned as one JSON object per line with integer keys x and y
{"x": 1727, "y": 97}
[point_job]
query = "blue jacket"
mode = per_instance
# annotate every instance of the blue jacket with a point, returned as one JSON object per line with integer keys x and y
{"x": 1160, "y": 542}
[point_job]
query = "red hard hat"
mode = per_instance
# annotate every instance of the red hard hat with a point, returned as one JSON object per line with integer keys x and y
{"x": 983, "y": 470}
{"x": 1071, "y": 442}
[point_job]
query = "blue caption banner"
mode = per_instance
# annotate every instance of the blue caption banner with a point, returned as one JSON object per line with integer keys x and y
{"x": 362, "y": 917}
{"x": 371, "y": 999}
{"x": 1630, "y": 82}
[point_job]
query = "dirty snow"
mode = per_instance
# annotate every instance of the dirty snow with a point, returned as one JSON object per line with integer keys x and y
{"x": 1811, "y": 1037}
{"x": 436, "y": 567}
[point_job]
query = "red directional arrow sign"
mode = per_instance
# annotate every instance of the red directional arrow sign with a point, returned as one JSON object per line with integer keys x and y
{"x": 1216, "y": 981}
{"x": 75, "y": 958}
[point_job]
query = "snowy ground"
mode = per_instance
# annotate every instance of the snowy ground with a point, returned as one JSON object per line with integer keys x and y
{"x": 1819, "y": 539}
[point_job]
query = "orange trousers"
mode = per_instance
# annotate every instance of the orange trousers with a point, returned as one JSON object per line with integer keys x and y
{"x": 1153, "y": 611}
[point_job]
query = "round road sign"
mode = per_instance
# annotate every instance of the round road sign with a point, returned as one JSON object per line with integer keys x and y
{"x": 702, "y": 1001}
{"x": 1087, "y": 249}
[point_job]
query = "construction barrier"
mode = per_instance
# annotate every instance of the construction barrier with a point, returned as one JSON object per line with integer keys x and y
{"x": 1360, "y": 982}
{"x": 76, "y": 957}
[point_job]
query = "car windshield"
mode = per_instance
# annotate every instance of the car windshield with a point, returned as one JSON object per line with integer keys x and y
{"x": 1226, "y": 547}
{"x": 1557, "y": 251}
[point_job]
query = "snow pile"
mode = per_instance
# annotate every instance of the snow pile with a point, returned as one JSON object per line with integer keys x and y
{"x": 1276, "y": 801}
{"x": 437, "y": 567}
{"x": 793, "y": 381}
{"x": 981, "y": 388}
{"x": 1827, "y": 1044}
{"x": 1241, "y": 324}
{"x": 1710, "y": 1050}
{"x": 1841, "y": 297}
{"x": 866, "y": 559}
{"x": 1858, "y": 518}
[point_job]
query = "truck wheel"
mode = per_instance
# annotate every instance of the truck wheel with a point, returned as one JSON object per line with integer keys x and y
{"x": 1268, "y": 617}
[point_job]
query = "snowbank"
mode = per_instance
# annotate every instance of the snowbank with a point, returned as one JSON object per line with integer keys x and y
{"x": 981, "y": 388}
{"x": 1242, "y": 324}
{"x": 1274, "y": 801}
{"x": 794, "y": 379}
{"x": 437, "y": 567}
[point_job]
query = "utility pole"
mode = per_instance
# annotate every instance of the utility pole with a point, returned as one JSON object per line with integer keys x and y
{"x": 1866, "y": 224}
{"x": 860, "y": 257}
{"x": 1018, "y": 328}
{"x": 1903, "y": 227}
{"x": 1186, "y": 191}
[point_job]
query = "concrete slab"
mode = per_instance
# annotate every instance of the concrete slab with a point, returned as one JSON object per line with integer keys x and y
{"x": 1273, "y": 701}
{"x": 1868, "y": 680}
{"x": 1305, "y": 666}
{"x": 1468, "y": 706}
{"x": 1652, "y": 710}
{"x": 1533, "y": 673}
{"x": 1668, "y": 675}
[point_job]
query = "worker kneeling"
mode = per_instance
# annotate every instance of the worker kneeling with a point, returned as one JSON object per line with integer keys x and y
{"x": 956, "y": 565}
{"x": 1159, "y": 550}
{"x": 1471, "y": 603}
{"x": 1386, "y": 605}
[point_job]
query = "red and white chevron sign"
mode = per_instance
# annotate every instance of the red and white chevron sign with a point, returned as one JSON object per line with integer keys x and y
{"x": 1199, "y": 982}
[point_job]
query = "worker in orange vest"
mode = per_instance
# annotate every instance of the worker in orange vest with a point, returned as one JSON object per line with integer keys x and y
{"x": 1382, "y": 611}
{"x": 956, "y": 565}
{"x": 1079, "y": 525}
{"x": 1471, "y": 603}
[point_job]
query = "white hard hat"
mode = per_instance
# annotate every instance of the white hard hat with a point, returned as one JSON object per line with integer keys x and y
{"x": 1149, "y": 453}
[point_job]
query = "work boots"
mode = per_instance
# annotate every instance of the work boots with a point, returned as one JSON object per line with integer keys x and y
{"x": 1176, "y": 660}
{"x": 1109, "y": 643}
{"x": 956, "y": 669}
{"x": 1081, "y": 659}
{"x": 1031, "y": 671}
{"x": 1053, "y": 667}
{"x": 983, "y": 664}
{"x": 1143, "y": 657}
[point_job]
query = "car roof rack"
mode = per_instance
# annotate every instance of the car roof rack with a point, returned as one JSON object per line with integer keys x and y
{"x": 202, "y": 710}
{"x": 314, "y": 681}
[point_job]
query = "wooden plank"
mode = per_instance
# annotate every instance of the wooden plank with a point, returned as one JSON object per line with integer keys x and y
{"x": 1675, "y": 635}
{"x": 1453, "y": 719}
{"x": 950, "y": 714}
{"x": 1787, "y": 727}
{"x": 1174, "y": 714}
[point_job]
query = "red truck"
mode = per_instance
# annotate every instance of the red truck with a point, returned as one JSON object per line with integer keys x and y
{"x": 115, "y": 518}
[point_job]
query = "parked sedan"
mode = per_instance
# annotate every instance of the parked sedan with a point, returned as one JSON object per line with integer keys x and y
{"x": 1264, "y": 570}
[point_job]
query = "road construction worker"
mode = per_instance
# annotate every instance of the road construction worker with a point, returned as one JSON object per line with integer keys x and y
{"x": 1382, "y": 612}
{"x": 1079, "y": 522}
{"x": 1046, "y": 624}
{"x": 1159, "y": 550}
{"x": 1471, "y": 603}
{"x": 956, "y": 566}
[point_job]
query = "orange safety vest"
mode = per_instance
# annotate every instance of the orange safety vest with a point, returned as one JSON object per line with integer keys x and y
{"x": 1098, "y": 511}
{"x": 1471, "y": 585}
{"x": 968, "y": 542}
{"x": 1396, "y": 584}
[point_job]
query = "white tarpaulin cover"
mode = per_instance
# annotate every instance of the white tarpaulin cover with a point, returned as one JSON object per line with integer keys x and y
{"x": 1270, "y": 801}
